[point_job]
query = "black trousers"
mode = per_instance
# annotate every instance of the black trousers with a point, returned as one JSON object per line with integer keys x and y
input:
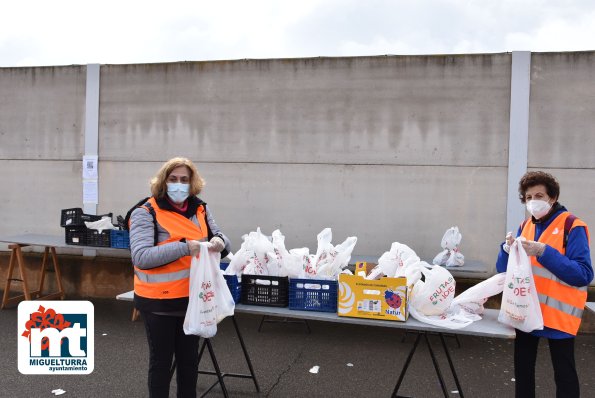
{"x": 562, "y": 355}
{"x": 166, "y": 337}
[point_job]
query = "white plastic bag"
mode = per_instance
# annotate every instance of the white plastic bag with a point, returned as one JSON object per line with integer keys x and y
{"x": 296, "y": 262}
{"x": 451, "y": 255}
{"x": 238, "y": 262}
{"x": 337, "y": 260}
{"x": 451, "y": 238}
{"x": 328, "y": 262}
{"x": 324, "y": 255}
{"x": 261, "y": 246}
{"x": 104, "y": 224}
{"x": 253, "y": 256}
{"x": 400, "y": 260}
{"x": 210, "y": 300}
{"x": 465, "y": 308}
{"x": 456, "y": 258}
{"x": 446, "y": 320}
{"x": 281, "y": 254}
{"x": 324, "y": 252}
{"x": 433, "y": 295}
{"x": 254, "y": 265}
{"x": 471, "y": 301}
{"x": 520, "y": 304}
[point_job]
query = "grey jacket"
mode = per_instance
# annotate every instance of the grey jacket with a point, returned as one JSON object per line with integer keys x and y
{"x": 145, "y": 255}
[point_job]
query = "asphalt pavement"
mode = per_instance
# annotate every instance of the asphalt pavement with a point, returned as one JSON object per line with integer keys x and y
{"x": 352, "y": 361}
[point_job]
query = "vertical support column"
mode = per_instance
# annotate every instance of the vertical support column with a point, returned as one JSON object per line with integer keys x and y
{"x": 90, "y": 157}
{"x": 520, "y": 88}
{"x": 91, "y": 131}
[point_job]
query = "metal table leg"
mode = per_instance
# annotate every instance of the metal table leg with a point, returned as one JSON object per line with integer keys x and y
{"x": 405, "y": 367}
{"x": 221, "y": 375}
{"x": 436, "y": 366}
{"x": 434, "y": 362}
{"x": 246, "y": 356}
{"x": 452, "y": 367}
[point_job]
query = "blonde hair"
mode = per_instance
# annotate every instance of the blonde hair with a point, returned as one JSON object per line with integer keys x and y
{"x": 159, "y": 182}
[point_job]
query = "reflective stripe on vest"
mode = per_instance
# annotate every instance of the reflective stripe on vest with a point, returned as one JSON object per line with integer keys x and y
{"x": 561, "y": 304}
{"x": 171, "y": 280}
{"x": 168, "y": 277}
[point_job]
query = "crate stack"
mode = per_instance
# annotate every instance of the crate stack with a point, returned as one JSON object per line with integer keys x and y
{"x": 297, "y": 294}
{"x": 76, "y": 232}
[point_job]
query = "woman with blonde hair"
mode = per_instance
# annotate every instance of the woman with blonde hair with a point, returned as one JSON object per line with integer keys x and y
{"x": 165, "y": 232}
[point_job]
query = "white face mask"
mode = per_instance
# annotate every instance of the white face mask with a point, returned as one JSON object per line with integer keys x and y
{"x": 538, "y": 208}
{"x": 177, "y": 191}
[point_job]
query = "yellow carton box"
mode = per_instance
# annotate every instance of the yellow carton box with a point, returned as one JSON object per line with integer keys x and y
{"x": 386, "y": 298}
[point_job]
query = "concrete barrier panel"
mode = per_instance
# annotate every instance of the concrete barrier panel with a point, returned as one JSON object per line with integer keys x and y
{"x": 36, "y": 193}
{"x": 561, "y": 111}
{"x": 412, "y": 110}
{"x": 42, "y": 112}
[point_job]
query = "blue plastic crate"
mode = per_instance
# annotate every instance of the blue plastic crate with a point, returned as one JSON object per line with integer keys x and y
{"x": 120, "y": 239}
{"x": 313, "y": 295}
{"x": 235, "y": 287}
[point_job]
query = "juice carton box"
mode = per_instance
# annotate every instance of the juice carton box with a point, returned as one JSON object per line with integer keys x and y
{"x": 386, "y": 298}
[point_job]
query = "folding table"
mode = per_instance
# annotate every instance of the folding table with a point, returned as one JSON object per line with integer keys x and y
{"x": 49, "y": 243}
{"x": 488, "y": 326}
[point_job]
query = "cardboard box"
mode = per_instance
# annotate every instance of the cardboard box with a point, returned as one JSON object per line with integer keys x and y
{"x": 386, "y": 298}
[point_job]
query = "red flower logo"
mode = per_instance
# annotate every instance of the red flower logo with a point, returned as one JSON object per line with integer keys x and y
{"x": 43, "y": 319}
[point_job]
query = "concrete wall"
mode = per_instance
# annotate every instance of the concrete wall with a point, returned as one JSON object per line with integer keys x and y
{"x": 391, "y": 148}
{"x": 561, "y": 126}
{"x": 42, "y": 119}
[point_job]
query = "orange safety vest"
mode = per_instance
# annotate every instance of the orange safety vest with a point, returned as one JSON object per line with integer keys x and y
{"x": 170, "y": 280}
{"x": 561, "y": 304}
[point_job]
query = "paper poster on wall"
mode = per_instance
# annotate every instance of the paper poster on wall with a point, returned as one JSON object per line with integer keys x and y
{"x": 90, "y": 191}
{"x": 89, "y": 167}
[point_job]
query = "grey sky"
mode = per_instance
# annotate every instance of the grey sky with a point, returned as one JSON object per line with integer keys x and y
{"x": 113, "y": 32}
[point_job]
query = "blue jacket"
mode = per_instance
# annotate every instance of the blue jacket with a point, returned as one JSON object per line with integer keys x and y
{"x": 573, "y": 268}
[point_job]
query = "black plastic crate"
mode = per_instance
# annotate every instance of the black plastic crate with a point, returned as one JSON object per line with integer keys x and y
{"x": 76, "y": 218}
{"x": 313, "y": 295}
{"x": 76, "y": 236}
{"x": 271, "y": 291}
{"x": 82, "y": 236}
{"x": 98, "y": 239}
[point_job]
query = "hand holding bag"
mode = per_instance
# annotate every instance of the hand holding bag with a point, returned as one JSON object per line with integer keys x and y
{"x": 210, "y": 299}
{"x": 520, "y": 304}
